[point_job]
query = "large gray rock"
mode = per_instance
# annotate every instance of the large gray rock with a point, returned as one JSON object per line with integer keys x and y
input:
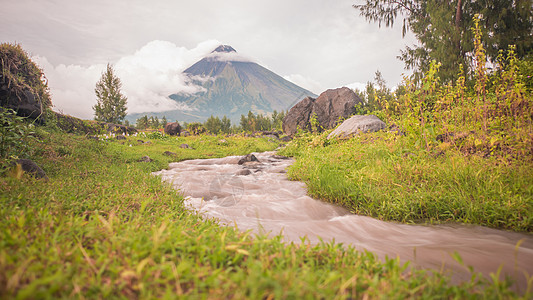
{"x": 356, "y": 124}
{"x": 24, "y": 103}
{"x": 173, "y": 128}
{"x": 330, "y": 107}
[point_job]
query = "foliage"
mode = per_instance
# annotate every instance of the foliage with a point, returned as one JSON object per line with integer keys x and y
{"x": 19, "y": 74}
{"x": 377, "y": 97}
{"x": 15, "y": 134}
{"x": 110, "y": 102}
{"x": 155, "y": 135}
{"x": 442, "y": 29}
{"x": 103, "y": 227}
{"x": 260, "y": 122}
{"x": 195, "y": 128}
{"x": 215, "y": 125}
{"x": 462, "y": 153}
{"x": 493, "y": 118}
{"x": 388, "y": 177}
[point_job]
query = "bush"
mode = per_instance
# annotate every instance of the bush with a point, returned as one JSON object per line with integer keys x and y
{"x": 14, "y": 135}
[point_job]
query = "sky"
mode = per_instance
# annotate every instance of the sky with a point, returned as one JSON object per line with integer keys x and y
{"x": 317, "y": 44}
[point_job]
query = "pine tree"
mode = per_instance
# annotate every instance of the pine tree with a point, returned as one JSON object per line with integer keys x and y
{"x": 110, "y": 102}
{"x": 164, "y": 121}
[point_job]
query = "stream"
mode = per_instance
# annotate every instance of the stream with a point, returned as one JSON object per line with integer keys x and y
{"x": 258, "y": 196}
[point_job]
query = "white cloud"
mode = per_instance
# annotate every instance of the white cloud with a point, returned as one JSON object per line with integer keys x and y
{"x": 229, "y": 57}
{"x": 305, "y": 82}
{"x": 357, "y": 86}
{"x": 148, "y": 77}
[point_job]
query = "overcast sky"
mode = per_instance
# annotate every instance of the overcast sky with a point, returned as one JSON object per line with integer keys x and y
{"x": 316, "y": 44}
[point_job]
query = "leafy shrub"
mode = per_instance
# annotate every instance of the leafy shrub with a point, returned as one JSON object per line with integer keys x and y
{"x": 490, "y": 115}
{"x": 156, "y": 135}
{"x": 14, "y": 136}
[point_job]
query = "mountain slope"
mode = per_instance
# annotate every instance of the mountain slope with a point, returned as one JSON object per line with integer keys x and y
{"x": 231, "y": 86}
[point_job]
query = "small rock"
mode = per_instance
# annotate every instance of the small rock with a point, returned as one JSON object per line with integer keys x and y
{"x": 33, "y": 169}
{"x": 140, "y": 141}
{"x": 120, "y": 137}
{"x": 279, "y": 157}
{"x": 248, "y": 158}
{"x": 286, "y": 139}
{"x": 185, "y": 146}
{"x": 146, "y": 159}
{"x": 244, "y": 172}
{"x": 168, "y": 153}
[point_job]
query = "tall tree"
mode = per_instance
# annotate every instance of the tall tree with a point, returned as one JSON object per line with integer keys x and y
{"x": 110, "y": 102}
{"x": 442, "y": 28}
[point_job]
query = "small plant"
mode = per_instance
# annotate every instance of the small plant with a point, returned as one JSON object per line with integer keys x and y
{"x": 14, "y": 136}
{"x": 315, "y": 125}
{"x": 156, "y": 135}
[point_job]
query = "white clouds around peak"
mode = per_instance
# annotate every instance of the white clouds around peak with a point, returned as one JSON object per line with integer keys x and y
{"x": 148, "y": 77}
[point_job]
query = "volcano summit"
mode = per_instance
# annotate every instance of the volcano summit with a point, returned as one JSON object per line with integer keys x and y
{"x": 231, "y": 85}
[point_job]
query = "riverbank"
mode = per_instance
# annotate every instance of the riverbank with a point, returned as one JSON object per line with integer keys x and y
{"x": 385, "y": 176}
{"x": 103, "y": 227}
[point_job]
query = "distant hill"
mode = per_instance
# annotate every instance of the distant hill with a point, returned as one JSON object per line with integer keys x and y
{"x": 231, "y": 86}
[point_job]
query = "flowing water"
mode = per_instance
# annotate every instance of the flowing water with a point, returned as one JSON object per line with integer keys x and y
{"x": 258, "y": 196}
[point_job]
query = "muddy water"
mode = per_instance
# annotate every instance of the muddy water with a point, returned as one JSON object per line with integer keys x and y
{"x": 258, "y": 196}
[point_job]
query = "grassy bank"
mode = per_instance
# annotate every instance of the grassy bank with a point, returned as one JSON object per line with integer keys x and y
{"x": 385, "y": 176}
{"x": 103, "y": 227}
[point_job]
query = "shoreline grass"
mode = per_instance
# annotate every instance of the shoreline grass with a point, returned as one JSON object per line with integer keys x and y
{"x": 103, "y": 227}
{"x": 383, "y": 176}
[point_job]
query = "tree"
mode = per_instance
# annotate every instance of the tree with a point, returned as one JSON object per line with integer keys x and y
{"x": 110, "y": 102}
{"x": 164, "y": 121}
{"x": 213, "y": 125}
{"x": 226, "y": 125}
{"x": 443, "y": 29}
{"x": 142, "y": 122}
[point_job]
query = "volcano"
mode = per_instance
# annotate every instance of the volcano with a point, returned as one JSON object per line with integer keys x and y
{"x": 231, "y": 85}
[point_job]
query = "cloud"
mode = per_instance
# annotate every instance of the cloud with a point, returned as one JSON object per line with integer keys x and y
{"x": 357, "y": 86}
{"x": 229, "y": 57}
{"x": 305, "y": 82}
{"x": 148, "y": 77}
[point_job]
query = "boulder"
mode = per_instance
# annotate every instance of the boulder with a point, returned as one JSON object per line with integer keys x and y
{"x": 243, "y": 172}
{"x": 24, "y": 102}
{"x": 30, "y": 167}
{"x": 286, "y": 139}
{"x": 298, "y": 116}
{"x": 146, "y": 159}
{"x": 173, "y": 128}
{"x": 356, "y": 124}
{"x": 330, "y": 107}
{"x": 248, "y": 158}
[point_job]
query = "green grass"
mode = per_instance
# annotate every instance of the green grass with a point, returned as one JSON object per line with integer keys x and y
{"x": 103, "y": 227}
{"x": 384, "y": 176}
